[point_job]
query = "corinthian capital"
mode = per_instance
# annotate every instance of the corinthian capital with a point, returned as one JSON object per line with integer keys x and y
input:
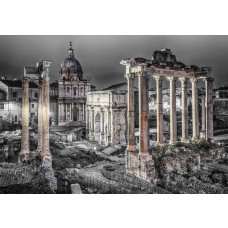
{"x": 130, "y": 75}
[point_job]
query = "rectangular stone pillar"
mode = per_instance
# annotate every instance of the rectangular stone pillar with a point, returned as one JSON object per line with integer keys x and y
{"x": 209, "y": 108}
{"x": 160, "y": 140}
{"x": 102, "y": 126}
{"x": 40, "y": 115}
{"x": 25, "y": 119}
{"x": 184, "y": 106}
{"x": 143, "y": 114}
{"x": 173, "y": 116}
{"x": 131, "y": 113}
{"x": 195, "y": 115}
{"x": 46, "y": 155}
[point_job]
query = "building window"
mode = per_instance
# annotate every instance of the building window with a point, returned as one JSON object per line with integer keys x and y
{"x": 68, "y": 89}
{"x": 32, "y": 105}
{"x": 15, "y": 118}
{"x": 1, "y": 106}
{"x": 36, "y": 95}
{"x": 14, "y": 94}
{"x": 75, "y": 91}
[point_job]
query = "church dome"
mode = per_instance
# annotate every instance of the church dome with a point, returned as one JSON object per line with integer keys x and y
{"x": 71, "y": 65}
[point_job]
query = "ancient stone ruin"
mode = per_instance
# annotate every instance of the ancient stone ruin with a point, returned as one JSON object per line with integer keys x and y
{"x": 163, "y": 65}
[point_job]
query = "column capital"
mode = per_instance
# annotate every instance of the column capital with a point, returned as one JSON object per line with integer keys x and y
{"x": 171, "y": 79}
{"x": 129, "y": 76}
{"x": 158, "y": 77}
{"x": 183, "y": 80}
{"x": 194, "y": 80}
{"x": 209, "y": 79}
{"x": 143, "y": 73}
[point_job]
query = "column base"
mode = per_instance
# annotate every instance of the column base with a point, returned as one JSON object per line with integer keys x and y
{"x": 39, "y": 150}
{"x": 172, "y": 142}
{"x": 185, "y": 140}
{"x": 46, "y": 159}
{"x": 131, "y": 148}
{"x": 23, "y": 156}
{"x": 141, "y": 166}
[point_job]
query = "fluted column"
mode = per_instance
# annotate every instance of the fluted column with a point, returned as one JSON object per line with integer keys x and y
{"x": 25, "y": 119}
{"x": 131, "y": 112}
{"x": 173, "y": 115}
{"x": 47, "y": 160}
{"x": 209, "y": 108}
{"x": 160, "y": 140}
{"x": 143, "y": 114}
{"x": 92, "y": 125}
{"x": 40, "y": 115}
{"x": 184, "y": 106}
{"x": 195, "y": 115}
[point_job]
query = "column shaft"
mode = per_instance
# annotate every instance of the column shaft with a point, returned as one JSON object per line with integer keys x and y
{"x": 203, "y": 113}
{"x": 92, "y": 125}
{"x": 25, "y": 117}
{"x": 195, "y": 117}
{"x": 47, "y": 161}
{"x": 184, "y": 106}
{"x": 131, "y": 113}
{"x": 209, "y": 108}
{"x": 160, "y": 139}
{"x": 173, "y": 116}
{"x": 143, "y": 114}
{"x": 40, "y": 115}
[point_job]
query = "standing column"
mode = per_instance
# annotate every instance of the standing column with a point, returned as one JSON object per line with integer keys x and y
{"x": 92, "y": 125}
{"x": 203, "y": 114}
{"x": 173, "y": 115}
{"x": 195, "y": 118}
{"x": 25, "y": 119}
{"x": 87, "y": 123}
{"x": 209, "y": 108}
{"x": 47, "y": 161}
{"x": 184, "y": 106}
{"x": 131, "y": 112}
{"x": 40, "y": 115}
{"x": 143, "y": 114}
{"x": 102, "y": 126}
{"x": 160, "y": 139}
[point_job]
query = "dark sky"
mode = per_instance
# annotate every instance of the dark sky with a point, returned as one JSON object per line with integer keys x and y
{"x": 100, "y": 56}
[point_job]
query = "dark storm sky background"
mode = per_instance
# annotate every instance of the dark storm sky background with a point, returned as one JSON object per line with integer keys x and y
{"x": 100, "y": 56}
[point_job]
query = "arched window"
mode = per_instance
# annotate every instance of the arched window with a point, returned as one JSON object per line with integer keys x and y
{"x": 75, "y": 91}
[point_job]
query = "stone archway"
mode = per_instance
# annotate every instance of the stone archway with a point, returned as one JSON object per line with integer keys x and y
{"x": 97, "y": 127}
{"x": 75, "y": 113}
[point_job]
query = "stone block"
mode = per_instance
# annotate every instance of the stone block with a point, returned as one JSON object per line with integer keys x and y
{"x": 76, "y": 189}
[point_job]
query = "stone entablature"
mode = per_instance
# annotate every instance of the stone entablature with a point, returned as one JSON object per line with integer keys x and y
{"x": 106, "y": 117}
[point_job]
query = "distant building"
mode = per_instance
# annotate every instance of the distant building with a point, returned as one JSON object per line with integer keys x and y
{"x": 11, "y": 99}
{"x": 72, "y": 90}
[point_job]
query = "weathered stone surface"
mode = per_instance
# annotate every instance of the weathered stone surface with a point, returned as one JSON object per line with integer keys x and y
{"x": 76, "y": 189}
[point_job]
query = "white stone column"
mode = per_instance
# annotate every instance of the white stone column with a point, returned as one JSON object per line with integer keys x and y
{"x": 143, "y": 114}
{"x": 47, "y": 159}
{"x": 203, "y": 114}
{"x": 102, "y": 126}
{"x": 173, "y": 116}
{"x": 160, "y": 140}
{"x": 195, "y": 115}
{"x": 184, "y": 107}
{"x": 40, "y": 115}
{"x": 25, "y": 119}
{"x": 131, "y": 112}
{"x": 92, "y": 138}
{"x": 87, "y": 122}
{"x": 209, "y": 108}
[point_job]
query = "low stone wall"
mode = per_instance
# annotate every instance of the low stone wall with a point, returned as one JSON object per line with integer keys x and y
{"x": 18, "y": 178}
{"x": 91, "y": 181}
{"x": 131, "y": 180}
{"x": 213, "y": 155}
